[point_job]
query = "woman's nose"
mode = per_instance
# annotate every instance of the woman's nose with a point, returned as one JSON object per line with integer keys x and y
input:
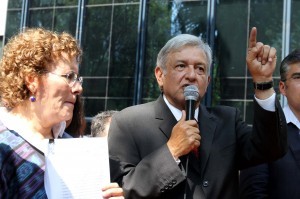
{"x": 77, "y": 88}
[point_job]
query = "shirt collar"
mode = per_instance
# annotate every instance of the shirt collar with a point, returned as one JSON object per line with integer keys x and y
{"x": 21, "y": 126}
{"x": 290, "y": 116}
{"x": 176, "y": 112}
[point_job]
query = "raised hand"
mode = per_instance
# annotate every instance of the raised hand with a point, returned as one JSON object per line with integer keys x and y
{"x": 261, "y": 59}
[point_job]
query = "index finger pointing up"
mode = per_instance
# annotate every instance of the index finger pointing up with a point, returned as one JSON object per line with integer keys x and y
{"x": 252, "y": 37}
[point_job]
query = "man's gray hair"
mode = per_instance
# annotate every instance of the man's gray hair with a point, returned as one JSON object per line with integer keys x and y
{"x": 99, "y": 121}
{"x": 177, "y": 43}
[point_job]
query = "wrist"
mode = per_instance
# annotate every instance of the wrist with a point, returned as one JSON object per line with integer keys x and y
{"x": 263, "y": 85}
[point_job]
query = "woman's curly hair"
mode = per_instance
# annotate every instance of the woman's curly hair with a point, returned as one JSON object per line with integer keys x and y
{"x": 30, "y": 53}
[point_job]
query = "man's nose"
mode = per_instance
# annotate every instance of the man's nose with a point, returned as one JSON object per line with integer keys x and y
{"x": 191, "y": 72}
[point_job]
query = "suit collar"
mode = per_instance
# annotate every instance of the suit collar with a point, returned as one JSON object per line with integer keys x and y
{"x": 294, "y": 141}
{"x": 163, "y": 113}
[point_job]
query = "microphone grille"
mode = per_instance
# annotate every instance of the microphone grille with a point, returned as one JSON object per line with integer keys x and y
{"x": 191, "y": 92}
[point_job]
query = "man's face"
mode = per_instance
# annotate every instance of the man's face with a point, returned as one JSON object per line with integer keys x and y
{"x": 291, "y": 87}
{"x": 185, "y": 67}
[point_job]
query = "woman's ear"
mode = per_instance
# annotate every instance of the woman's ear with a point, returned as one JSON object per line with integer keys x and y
{"x": 32, "y": 83}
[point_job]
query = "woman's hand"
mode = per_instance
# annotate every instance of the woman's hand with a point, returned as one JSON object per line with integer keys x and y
{"x": 112, "y": 191}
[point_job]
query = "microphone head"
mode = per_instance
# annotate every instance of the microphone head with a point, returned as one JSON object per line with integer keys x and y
{"x": 191, "y": 92}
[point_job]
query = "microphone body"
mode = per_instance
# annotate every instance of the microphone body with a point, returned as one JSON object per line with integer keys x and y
{"x": 191, "y": 95}
{"x": 190, "y": 109}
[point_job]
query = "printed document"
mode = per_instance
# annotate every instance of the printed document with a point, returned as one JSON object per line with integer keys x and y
{"x": 76, "y": 168}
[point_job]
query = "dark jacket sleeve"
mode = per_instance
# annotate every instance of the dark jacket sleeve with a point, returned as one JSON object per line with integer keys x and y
{"x": 268, "y": 140}
{"x": 254, "y": 182}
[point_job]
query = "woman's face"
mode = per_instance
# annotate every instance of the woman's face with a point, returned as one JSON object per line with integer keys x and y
{"x": 55, "y": 95}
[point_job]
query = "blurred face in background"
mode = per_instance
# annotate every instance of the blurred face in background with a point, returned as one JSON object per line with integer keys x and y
{"x": 291, "y": 87}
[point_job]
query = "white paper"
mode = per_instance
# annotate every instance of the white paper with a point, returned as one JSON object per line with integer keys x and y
{"x": 76, "y": 168}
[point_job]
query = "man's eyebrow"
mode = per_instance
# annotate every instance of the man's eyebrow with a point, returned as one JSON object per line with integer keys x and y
{"x": 295, "y": 74}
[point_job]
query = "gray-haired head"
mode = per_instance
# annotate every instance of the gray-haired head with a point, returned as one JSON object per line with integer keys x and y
{"x": 292, "y": 58}
{"x": 177, "y": 43}
{"x": 99, "y": 123}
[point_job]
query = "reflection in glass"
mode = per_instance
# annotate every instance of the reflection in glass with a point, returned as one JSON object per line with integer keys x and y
{"x": 54, "y": 19}
{"x": 12, "y": 23}
{"x": 295, "y": 26}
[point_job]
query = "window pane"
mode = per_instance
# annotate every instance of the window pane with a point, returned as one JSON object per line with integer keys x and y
{"x": 231, "y": 40}
{"x": 295, "y": 26}
{"x": 96, "y": 41}
{"x": 124, "y": 40}
{"x": 12, "y": 23}
{"x": 61, "y": 19}
{"x": 1, "y": 45}
{"x": 109, "y": 45}
{"x": 14, "y": 4}
{"x": 232, "y": 88}
{"x": 269, "y": 25}
{"x": 118, "y": 104}
{"x": 120, "y": 87}
{"x": 93, "y": 106}
{"x": 93, "y": 87}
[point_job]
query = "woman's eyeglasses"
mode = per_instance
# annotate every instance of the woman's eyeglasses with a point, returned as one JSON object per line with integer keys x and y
{"x": 71, "y": 78}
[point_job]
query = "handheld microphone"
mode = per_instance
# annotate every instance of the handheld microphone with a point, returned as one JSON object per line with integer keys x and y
{"x": 191, "y": 94}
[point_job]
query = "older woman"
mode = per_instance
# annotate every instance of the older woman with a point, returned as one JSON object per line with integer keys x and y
{"x": 39, "y": 83}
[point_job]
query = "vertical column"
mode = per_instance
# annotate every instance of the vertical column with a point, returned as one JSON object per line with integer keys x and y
{"x": 24, "y": 14}
{"x": 286, "y": 31}
{"x": 140, "y": 56}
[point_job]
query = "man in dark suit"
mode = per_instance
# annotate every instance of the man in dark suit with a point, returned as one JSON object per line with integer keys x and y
{"x": 280, "y": 179}
{"x": 153, "y": 142}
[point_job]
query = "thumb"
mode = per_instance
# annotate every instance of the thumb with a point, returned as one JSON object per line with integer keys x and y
{"x": 183, "y": 116}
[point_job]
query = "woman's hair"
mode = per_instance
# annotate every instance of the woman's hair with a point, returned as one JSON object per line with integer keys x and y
{"x": 76, "y": 127}
{"x": 31, "y": 53}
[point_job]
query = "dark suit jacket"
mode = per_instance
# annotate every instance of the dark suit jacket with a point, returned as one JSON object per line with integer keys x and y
{"x": 138, "y": 137}
{"x": 279, "y": 179}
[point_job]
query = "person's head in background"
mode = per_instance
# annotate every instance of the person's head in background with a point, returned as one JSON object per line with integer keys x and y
{"x": 289, "y": 84}
{"x": 100, "y": 123}
{"x": 76, "y": 126}
{"x": 39, "y": 78}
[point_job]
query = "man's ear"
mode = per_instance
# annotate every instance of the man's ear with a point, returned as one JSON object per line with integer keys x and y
{"x": 159, "y": 74}
{"x": 282, "y": 87}
{"x": 31, "y": 83}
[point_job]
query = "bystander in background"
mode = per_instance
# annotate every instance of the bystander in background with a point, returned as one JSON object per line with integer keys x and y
{"x": 280, "y": 179}
{"x": 100, "y": 123}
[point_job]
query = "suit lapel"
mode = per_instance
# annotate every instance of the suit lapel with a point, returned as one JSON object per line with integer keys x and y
{"x": 294, "y": 142}
{"x": 207, "y": 126}
{"x": 163, "y": 113}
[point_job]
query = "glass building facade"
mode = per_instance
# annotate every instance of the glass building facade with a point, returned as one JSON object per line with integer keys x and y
{"x": 121, "y": 38}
